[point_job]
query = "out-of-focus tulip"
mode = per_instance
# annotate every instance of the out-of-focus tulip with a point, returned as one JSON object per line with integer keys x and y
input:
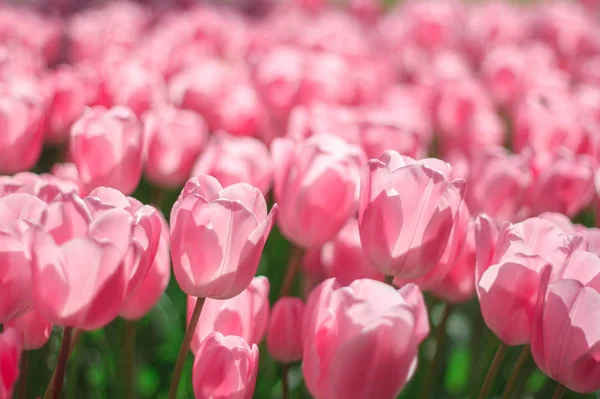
{"x": 565, "y": 341}
{"x": 284, "y": 336}
{"x": 316, "y": 185}
{"x": 365, "y": 326}
{"x": 10, "y": 354}
{"x": 236, "y": 160}
{"x": 245, "y": 315}
{"x": 407, "y": 210}
{"x": 106, "y": 146}
{"x": 217, "y": 237}
{"x": 174, "y": 139}
{"x": 33, "y": 328}
{"x": 225, "y": 367}
{"x": 45, "y": 186}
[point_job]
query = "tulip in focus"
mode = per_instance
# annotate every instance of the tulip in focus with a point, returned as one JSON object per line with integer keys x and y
{"x": 225, "y": 367}
{"x": 316, "y": 186}
{"x": 106, "y": 147}
{"x": 284, "y": 336}
{"x": 217, "y": 237}
{"x": 10, "y": 354}
{"x": 407, "y": 210}
{"x": 365, "y": 327}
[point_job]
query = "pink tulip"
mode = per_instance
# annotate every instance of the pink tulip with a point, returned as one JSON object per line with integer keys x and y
{"x": 236, "y": 160}
{"x": 44, "y": 186}
{"x": 565, "y": 341}
{"x": 316, "y": 185}
{"x": 225, "y": 367}
{"x": 67, "y": 173}
{"x": 217, "y": 237}
{"x": 406, "y": 213}
{"x": 365, "y": 326}
{"x": 245, "y": 315}
{"x": 10, "y": 354}
{"x": 33, "y": 328}
{"x": 284, "y": 337}
{"x": 106, "y": 147}
{"x": 154, "y": 283}
{"x": 174, "y": 139}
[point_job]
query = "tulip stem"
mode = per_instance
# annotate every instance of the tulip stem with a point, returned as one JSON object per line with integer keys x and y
{"x": 23, "y": 371}
{"x": 389, "y": 279}
{"x": 516, "y": 372}
{"x": 440, "y": 341}
{"x": 185, "y": 347}
{"x": 296, "y": 255}
{"x": 493, "y": 370}
{"x": 56, "y": 383}
{"x": 129, "y": 359}
{"x": 560, "y": 390}
{"x": 285, "y": 389}
{"x": 74, "y": 340}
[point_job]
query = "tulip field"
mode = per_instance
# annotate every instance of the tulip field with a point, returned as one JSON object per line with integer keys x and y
{"x": 343, "y": 199}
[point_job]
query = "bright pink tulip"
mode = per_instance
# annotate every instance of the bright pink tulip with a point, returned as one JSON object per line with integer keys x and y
{"x": 365, "y": 326}
{"x": 406, "y": 213}
{"x": 217, "y": 237}
{"x": 225, "y": 367}
{"x": 316, "y": 185}
{"x": 10, "y": 354}
{"x": 284, "y": 336}
{"x": 174, "y": 139}
{"x": 245, "y": 315}
{"x": 236, "y": 160}
{"x": 565, "y": 341}
{"x": 33, "y": 328}
{"x": 106, "y": 147}
{"x": 153, "y": 285}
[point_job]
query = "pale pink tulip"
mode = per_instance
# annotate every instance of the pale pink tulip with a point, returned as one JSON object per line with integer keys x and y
{"x": 284, "y": 336}
{"x": 174, "y": 139}
{"x": 33, "y": 328}
{"x": 365, "y": 326}
{"x": 225, "y": 367}
{"x": 44, "y": 186}
{"x": 217, "y": 237}
{"x": 236, "y": 160}
{"x": 245, "y": 315}
{"x": 10, "y": 354}
{"x": 106, "y": 147}
{"x": 407, "y": 211}
{"x": 316, "y": 186}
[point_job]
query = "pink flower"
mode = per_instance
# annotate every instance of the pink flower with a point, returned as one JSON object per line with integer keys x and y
{"x": 565, "y": 341}
{"x": 365, "y": 326}
{"x": 45, "y": 186}
{"x": 106, "y": 147}
{"x": 33, "y": 328}
{"x": 225, "y": 367}
{"x": 284, "y": 336}
{"x": 10, "y": 354}
{"x": 406, "y": 213}
{"x": 245, "y": 315}
{"x": 174, "y": 139}
{"x": 236, "y": 160}
{"x": 217, "y": 237}
{"x": 316, "y": 185}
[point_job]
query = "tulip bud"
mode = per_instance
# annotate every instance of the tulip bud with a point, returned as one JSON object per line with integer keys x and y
{"x": 284, "y": 336}
{"x": 10, "y": 354}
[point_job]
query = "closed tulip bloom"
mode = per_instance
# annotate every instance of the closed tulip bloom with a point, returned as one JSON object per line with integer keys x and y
{"x": 174, "y": 139}
{"x": 225, "y": 367}
{"x": 565, "y": 341}
{"x": 407, "y": 210}
{"x": 106, "y": 147}
{"x": 284, "y": 337}
{"x": 236, "y": 160}
{"x": 365, "y": 326}
{"x": 245, "y": 315}
{"x": 10, "y": 354}
{"x": 33, "y": 328}
{"x": 316, "y": 185}
{"x": 217, "y": 237}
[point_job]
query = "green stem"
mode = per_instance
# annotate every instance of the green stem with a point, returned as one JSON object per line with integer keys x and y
{"x": 440, "y": 342}
{"x": 24, "y": 370}
{"x": 389, "y": 280}
{"x": 296, "y": 255}
{"x": 516, "y": 372}
{"x": 76, "y": 335}
{"x": 285, "y": 368}
{"x": 560, "y": 390}
{"x": 493, "y": 370}
{"x": 54, "y": 389}
{"x": 129, "y": 359}
{"x": 185, "y": 347}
